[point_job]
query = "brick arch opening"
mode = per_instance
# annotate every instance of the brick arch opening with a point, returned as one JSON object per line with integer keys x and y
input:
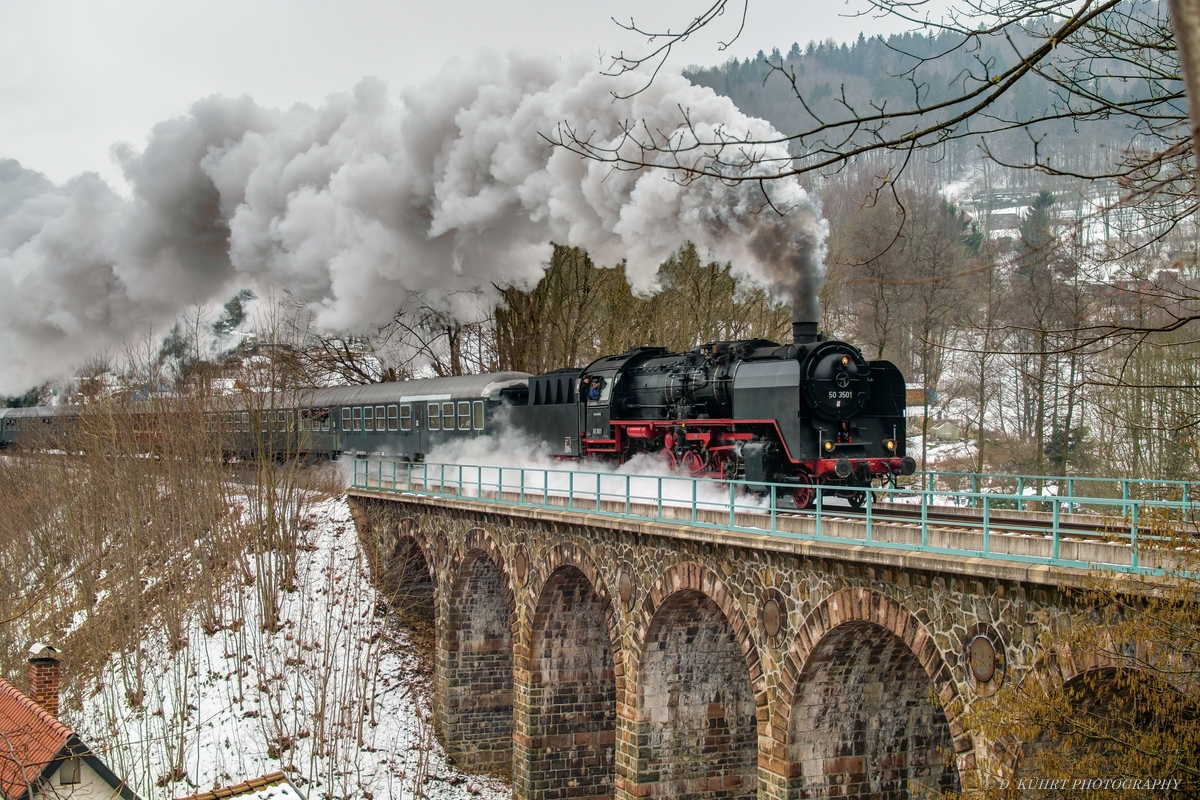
{"x": 1103, "y": 696}
{"x": 866, "y": 697}
{"x": 697, "y": 731}
{"x": 475, "y": 656}
{"x": 573, "y": 692}
{"x": 407, "y": 583}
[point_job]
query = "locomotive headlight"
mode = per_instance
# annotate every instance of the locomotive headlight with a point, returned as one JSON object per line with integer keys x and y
{"x": 845, "y": 361}
{"x": 828, "y": 446}
{"x": 890, "y": 444}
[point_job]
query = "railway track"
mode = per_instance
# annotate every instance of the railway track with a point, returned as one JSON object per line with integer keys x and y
{"x": 1003, "y": 522}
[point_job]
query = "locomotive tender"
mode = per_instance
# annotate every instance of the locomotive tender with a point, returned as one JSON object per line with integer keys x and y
{"x": 815, "y": 411}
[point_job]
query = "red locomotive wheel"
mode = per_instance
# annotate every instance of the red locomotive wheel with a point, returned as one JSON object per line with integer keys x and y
{"x": 803, "y": 496}
{"x": 669, "y": 457}
{"x": 692, "y": 462}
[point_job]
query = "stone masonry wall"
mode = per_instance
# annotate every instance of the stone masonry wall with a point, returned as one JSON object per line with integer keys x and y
{"x": 788, "y": 664}
{"x": 697, "y": 730}
{"x": 475, "y": 667}
{"x": 864, "y": 723}
{"x": 572, "y": 693}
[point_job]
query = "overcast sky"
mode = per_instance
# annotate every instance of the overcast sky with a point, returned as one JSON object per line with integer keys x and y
{"x": 78, "y": 75}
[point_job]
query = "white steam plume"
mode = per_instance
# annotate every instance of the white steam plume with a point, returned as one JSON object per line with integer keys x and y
{"x": 352, "y": 205}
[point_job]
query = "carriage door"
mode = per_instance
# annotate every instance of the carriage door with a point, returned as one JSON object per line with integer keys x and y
{"x": 419, "y": 436}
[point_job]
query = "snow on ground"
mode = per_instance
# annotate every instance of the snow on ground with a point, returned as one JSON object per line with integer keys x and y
{"x": 940, "y": 452}
{"x": 331, "y": 695}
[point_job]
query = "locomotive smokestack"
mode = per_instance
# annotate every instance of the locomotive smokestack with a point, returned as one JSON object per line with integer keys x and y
{"x": 804, "y": 332}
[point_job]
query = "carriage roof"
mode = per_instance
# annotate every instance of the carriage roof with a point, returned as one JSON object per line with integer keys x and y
{"x": 456, "y": 387}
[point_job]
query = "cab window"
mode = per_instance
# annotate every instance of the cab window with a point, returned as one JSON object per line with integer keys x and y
{"x": 435, "y": 417}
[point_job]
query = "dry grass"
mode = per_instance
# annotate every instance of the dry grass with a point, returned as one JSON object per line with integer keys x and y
{"x": 116, "y": 539}
{"x": 123, "y": 527}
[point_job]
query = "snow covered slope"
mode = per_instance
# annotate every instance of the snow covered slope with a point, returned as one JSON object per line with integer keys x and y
{"x": 332, "y": 695}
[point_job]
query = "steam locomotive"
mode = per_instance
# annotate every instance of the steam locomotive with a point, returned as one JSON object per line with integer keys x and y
{"x": 814, "y": 411}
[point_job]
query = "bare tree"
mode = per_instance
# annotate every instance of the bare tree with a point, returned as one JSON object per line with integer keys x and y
{"x": 1093, "y": 61}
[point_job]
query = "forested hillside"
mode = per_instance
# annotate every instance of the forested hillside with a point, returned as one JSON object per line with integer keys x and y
{"x": 825, "y": 81}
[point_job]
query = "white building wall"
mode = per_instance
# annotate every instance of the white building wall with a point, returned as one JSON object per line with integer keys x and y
{"x": 90, "y": 787}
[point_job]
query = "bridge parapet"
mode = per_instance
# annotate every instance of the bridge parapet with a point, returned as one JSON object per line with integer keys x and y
{"x": 605, "y": 649}
{"x": 1071, "y": 531}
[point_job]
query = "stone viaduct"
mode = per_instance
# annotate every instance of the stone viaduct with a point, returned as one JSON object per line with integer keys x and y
{"x": 595, "y": 657}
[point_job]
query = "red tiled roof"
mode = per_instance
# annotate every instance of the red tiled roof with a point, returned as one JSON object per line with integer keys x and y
{"x": 30, "y": 739}
{"x": 252, "y": 786}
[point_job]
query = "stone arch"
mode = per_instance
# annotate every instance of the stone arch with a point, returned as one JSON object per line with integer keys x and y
{"x": 1101, "y": 693}
{"x": 408, "y": 579}
{"x": 700, "y": 691}
{"x": 574, "y": 555}
{"x": 410, "y": 528}
{"x": 867, "y": 703}
{"x": 572, "y": 685}
{"x": 475, "y": 657}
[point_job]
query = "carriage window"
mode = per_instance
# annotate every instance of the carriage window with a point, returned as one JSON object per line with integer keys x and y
{"x": 435, "y": 418}
{"x": 304, "y": 413}
{"x": 447, "y": 416}
{"x": 393, "y": 413}
{"x": 291, "y": 420}
{"x": 357, "y": 418}
{"x": 245, "y": 420}
{"x": 406, "y": 417}
{"x": 345, "y": 419}
{"x": 464, "y": 416}
{"x": 380, "y": 418}
{"x": 324, "y": 419}
{"x": 368, "y": 418}
{"x": 477, "y": 416}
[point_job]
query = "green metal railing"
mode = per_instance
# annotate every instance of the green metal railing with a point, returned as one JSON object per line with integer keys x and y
{"x": 1065, "y": 485}
{"x": 1130, "y": 534}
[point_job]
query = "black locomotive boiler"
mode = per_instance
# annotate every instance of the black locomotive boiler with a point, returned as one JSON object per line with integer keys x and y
{"x": 812, "y": 412}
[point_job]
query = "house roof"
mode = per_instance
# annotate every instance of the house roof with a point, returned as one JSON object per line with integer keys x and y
{"x": 33, "y": 743}
{"x": 30, "y": 740}
{"x": 274, "y": 786}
